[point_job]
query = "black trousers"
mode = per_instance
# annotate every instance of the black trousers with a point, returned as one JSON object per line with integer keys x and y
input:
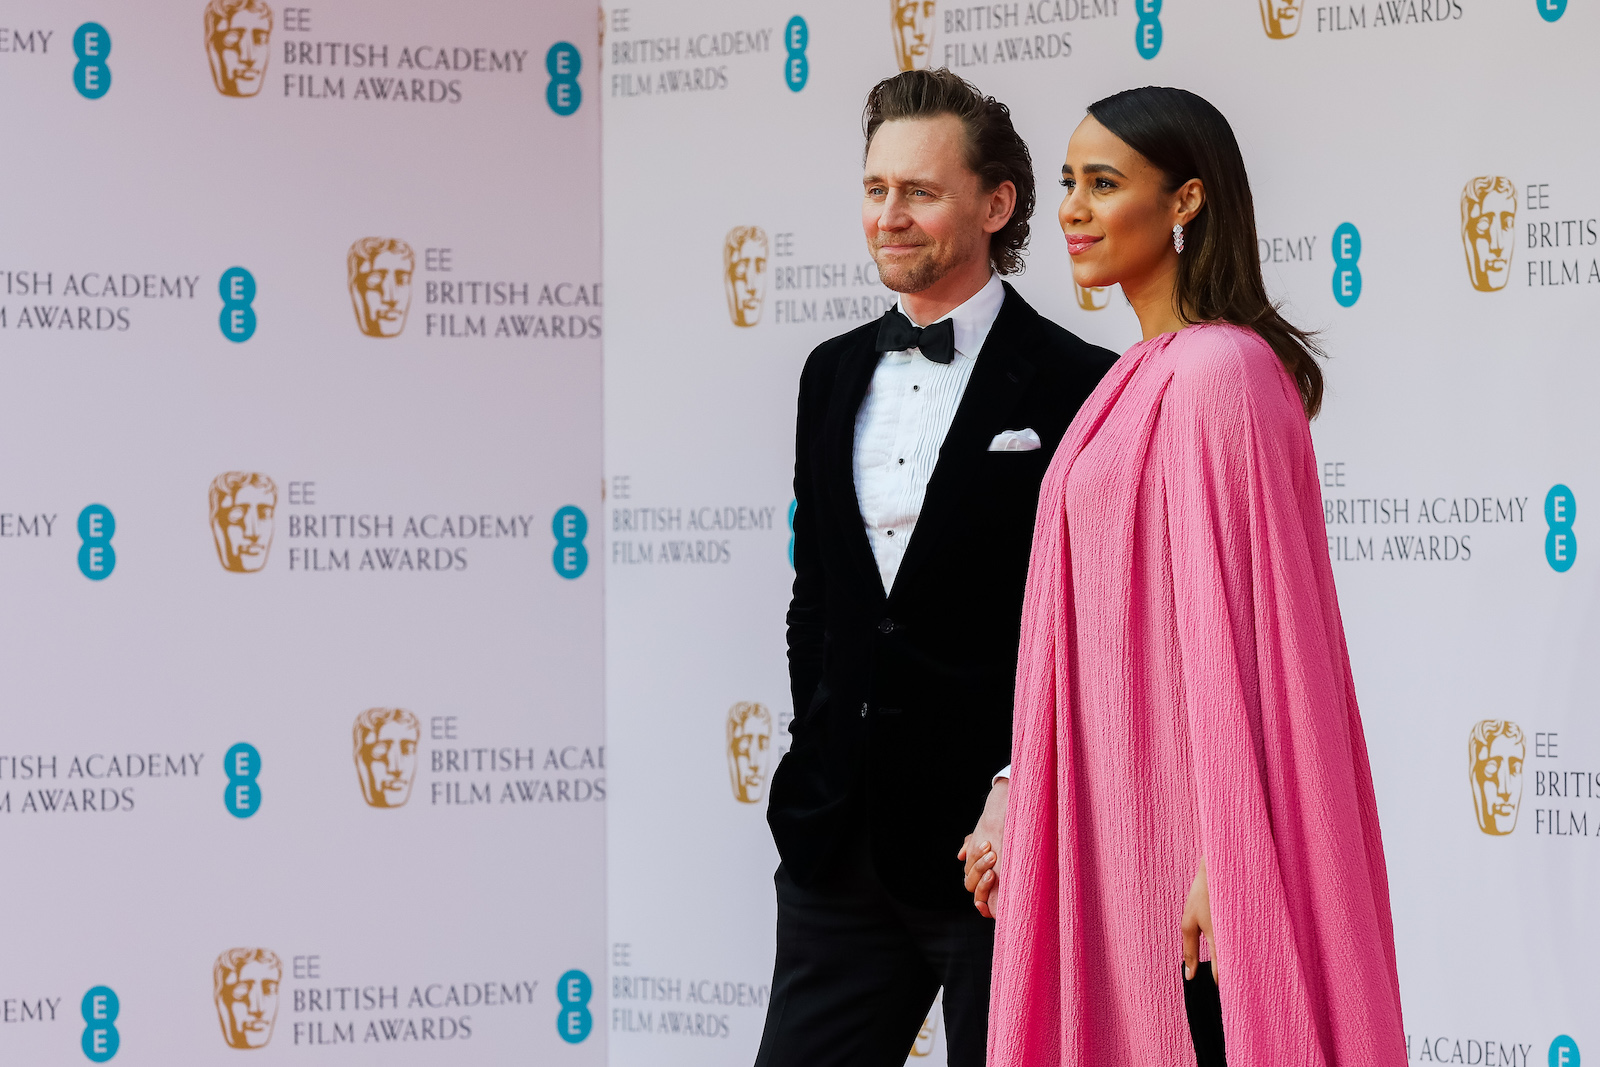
{"x": 857, "y": 972}
{"x": 1204, "y": 1007}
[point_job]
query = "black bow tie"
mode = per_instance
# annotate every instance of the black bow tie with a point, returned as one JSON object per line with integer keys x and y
{"x": 937, "y": 342}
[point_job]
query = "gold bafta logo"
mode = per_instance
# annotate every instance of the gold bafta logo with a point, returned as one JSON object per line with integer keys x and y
{"x": 1496, "y": 749}
{"x": 749, "y": 741}
{"x": 1281, "y": 18}
{"x": 744, "y": 269}
{"x": 1489, "y": 231}
{"x": 913, "y": 33}
{"x": 1092, "y": 298}
{"x": 380, "y": 284}
{"x": 242, "y": 508}
{"x": 246, "y": 991}
{"x": 923, "y": 1046}
{"x": 386, "y": 755}
{"x": 238, "y": 41}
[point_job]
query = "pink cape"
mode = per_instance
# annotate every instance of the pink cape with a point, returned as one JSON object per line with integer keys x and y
{"x": 1183, "y": 691}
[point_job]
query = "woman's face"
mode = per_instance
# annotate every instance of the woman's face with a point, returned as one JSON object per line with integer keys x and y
{"x": 1118, "y": 215}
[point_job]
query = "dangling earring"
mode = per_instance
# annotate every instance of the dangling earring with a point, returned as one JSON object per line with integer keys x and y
{"x": 1177, "y": 238}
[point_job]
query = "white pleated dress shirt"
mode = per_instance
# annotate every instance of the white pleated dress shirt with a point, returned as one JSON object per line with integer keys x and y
{"x": 902, "y": 424}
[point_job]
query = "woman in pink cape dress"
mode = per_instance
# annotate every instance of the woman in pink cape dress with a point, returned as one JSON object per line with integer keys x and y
{"x": 1188, "y": 754}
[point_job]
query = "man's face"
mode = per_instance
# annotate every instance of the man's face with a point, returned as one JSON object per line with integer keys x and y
{"x": 913, "y": 33}
{"x": 1491, "y": 235}
{"x": 1280, "y": 17}
{"x": 747, "y": 752}
{"x": 389, "y": 759}
{"x": 384, "y": 290}
{"x": 239, "y": 48}
{"x": 747, "y": 275}
{"x": 251, "y": 1003}
{"x": 246, "y": 525}
{"x": 1498, "y": 785}
{"x": 923, "y": 211}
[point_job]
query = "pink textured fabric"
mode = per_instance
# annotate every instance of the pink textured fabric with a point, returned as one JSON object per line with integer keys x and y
{"x": 1184, "y": 690}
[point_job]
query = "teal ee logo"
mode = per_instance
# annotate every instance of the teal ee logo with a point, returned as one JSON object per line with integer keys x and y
{"x": 1560, "y": 544}
{"x": 796, "y": 67}
{"x": 1550, "y": 10}
{"x": 570, "y": 526}
{"x": 1147, "y": 32}
{"x": 238, "y": 289}
{"x": 96, "y": 526}
{"x": 1564, "y": 1050}
{"x": 793, "y": 505}
{"x": 100, "y": 1037}
{"x": 573, "y": 990}
{"x": 1346, "y": 275}
{"x": 564, "y": 94}
{"x": 92, "y": 44}
{"x": 243, "y": 796}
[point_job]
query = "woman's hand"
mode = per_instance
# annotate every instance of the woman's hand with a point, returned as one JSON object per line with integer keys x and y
{"x": 982, "y": 850}
{"x": 1197, "y": 921}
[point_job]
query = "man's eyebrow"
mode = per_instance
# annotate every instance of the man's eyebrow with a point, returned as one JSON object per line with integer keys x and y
{"x": 924, "y": 183}
{"x": 1095, "y": 168}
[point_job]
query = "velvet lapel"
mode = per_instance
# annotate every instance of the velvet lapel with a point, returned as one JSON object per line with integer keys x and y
{"x": 855, "y": 372}
{"x": 997, "y": 385}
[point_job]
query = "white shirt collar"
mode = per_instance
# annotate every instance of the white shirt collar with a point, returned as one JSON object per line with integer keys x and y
{"x": 972, "y": 319}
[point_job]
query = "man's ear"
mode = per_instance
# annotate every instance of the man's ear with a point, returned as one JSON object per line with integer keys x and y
{"x": 1002, "y": 205}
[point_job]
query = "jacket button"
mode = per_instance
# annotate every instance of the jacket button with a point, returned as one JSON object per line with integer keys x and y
{"x": 886, "y": 626}
{"x": 863, "y": 711}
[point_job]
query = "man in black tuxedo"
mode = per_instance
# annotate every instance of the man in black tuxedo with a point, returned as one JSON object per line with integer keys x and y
{"x": 922, "y": 441}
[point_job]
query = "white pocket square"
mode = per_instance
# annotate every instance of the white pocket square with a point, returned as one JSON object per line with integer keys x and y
{"x": 1015, "y": 441}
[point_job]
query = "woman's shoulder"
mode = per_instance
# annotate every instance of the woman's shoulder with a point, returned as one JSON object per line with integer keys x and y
{"x": 1220, "y": 364}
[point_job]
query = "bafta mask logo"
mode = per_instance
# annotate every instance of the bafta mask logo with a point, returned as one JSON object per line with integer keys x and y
{"x": 923, "y": 1046}
{"x": 238, "y": 41}
{"x": 744, "y": 266}
{"x": 749, "y": 741}
{"x": 1093, "y": 298}
{"x": 386, "y": 755}
{"x": 1489, "y": 231}
{"x": 913, "y": 33}
{"x": 246, "y": 991}
{"x": 242, "y": 507}
{"x": 380, "y": 284}
{"x": 1280, "y": 18}
{"x": 1495, "y": 751}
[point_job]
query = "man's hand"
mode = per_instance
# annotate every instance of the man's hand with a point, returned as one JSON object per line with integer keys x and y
{"x": 981, "y": 852}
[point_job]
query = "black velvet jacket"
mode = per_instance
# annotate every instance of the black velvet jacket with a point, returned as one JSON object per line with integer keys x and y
{"x": 903, "y": 701}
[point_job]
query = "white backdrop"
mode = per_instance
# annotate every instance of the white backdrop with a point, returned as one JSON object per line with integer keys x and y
{"x": 1453, "y": 414}
{"x": 404, "y": 554}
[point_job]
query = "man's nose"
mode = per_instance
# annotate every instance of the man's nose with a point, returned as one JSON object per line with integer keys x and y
{"x": 894, "y": 215}
{"x": 247, "y": 50}
{"x": 256, "y": 1001}
{"x": 252, "y": 525}
{"x": 390, "y": 291}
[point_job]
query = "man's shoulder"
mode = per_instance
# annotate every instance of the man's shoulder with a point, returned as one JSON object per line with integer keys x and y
{"x": 1053, "y": 346}
{"x": 823, "y": 362}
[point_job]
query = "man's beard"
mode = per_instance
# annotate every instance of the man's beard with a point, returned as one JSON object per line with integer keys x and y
{"x": 924, "y": 272}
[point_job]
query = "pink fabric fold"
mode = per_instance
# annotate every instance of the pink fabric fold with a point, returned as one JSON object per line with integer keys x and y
{"x": 1184, "y": 690}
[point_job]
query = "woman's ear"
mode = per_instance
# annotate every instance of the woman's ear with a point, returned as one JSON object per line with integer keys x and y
{"x": 1190, "y": 198}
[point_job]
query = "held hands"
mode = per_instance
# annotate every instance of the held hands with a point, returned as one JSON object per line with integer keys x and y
{"x": 1197, "y": 921}
{"x": 981, "y": 852}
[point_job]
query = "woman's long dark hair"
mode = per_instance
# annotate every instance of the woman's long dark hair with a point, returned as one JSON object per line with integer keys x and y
{"x": 1219, "y": 272}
